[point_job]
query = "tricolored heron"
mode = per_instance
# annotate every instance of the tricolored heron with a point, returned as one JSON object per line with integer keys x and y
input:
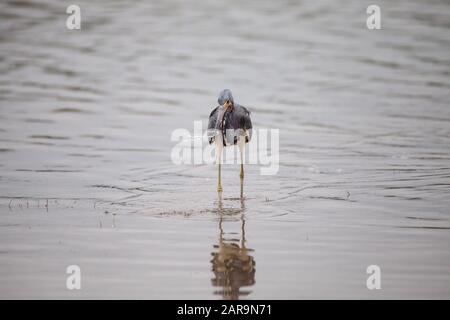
{"x": 229, "y": 124}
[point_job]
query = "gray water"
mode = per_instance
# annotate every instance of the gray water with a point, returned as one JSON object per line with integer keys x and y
{"x": 86, "y": 176}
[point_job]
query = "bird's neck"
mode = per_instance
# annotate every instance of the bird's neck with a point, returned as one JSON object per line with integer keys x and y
{"x": 230, "y": 108}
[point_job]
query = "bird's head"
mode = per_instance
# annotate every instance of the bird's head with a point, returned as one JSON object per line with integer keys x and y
{"x": 226, "y": 99}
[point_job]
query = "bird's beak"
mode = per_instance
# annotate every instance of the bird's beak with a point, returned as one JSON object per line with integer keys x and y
{"x": 227, "y": 104}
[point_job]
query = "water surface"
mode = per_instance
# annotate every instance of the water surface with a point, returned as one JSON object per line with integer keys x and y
{"x": 86, "y": 175}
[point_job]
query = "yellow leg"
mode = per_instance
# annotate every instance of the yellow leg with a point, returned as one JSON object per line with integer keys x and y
{"x": 241, "y": 144}
{"x": 219, "y": 147}
{"x": 242, "y": 181}
{"x": 219, "y": 184}
{"x": 242, "y": 188}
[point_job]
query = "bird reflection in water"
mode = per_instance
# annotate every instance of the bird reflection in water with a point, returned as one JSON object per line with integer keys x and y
{"x": 232, "y": 264}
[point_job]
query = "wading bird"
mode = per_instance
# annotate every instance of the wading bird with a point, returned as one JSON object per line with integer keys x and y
{"x": 229, "y": 124}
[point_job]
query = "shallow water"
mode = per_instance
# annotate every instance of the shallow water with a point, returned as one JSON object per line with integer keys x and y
{"x": 85, "y": 150}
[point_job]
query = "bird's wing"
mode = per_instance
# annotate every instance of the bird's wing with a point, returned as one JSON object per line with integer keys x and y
{"x": 245, "y": 121}
{"x": 213, "y": 118}
{"x": 212, "y": 124}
